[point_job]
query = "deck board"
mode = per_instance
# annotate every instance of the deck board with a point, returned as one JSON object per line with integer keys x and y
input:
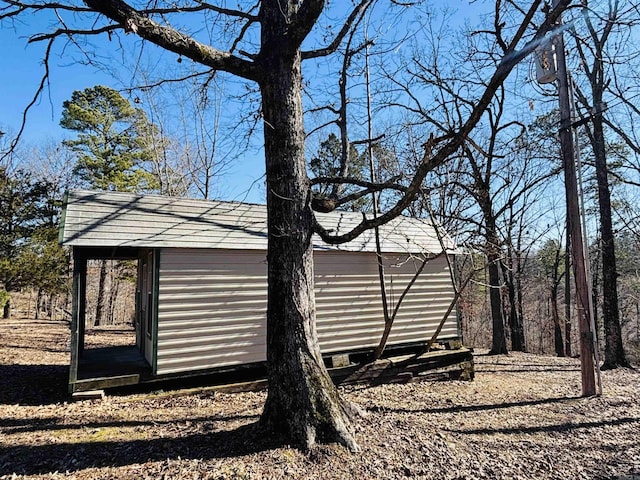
{"x": 112, "y": 361}
{"x": 118, "y": 366}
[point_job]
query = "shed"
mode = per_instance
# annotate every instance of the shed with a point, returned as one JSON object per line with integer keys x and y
{"x": 202, "y": 284}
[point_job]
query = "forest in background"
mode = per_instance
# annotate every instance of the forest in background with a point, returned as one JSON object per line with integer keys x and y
{"x": 500, "y": 194}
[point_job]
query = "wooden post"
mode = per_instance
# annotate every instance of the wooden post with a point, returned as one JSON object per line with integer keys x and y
{"x": 77, "y": 315}
{"x": 575, "y": 230}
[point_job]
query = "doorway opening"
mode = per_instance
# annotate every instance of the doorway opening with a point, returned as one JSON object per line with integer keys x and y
{"x": 110, "y": 308}
{"x": 112, "y": 339}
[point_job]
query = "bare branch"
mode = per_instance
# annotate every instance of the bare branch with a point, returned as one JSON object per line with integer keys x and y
{"x": 23, "y": 6}
{"x": 173, "y": 40}
{"x": 70, "y": 32}
{"x": 328, "y": 204}
{"x": 431, "y": 161}
{"x": 335, "y": 43}
{"x": 391, "y": 183}
{"x": 149, "y": 86}
{"x": 43, "y": 81}
{"x": 202, "y": 6}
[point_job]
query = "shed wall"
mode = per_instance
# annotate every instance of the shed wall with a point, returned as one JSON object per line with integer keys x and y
{"x": 211, "y": 309}
{"x": 349, "y": 306}
{"x": 212, "y": 305}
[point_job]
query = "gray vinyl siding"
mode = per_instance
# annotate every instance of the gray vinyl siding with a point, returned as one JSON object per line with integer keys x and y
{"x": 211, "y": 309}
{"x": 212, "y": 289}
{"x": 349, "y": 305}
{"x": 212, "y": 305}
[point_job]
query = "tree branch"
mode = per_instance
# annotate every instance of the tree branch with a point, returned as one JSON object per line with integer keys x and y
{"x": 70, "y": 32}
{"x": 304, "y": 20}
{"x": 335, "y": 43}
{"x": 511, "y": 58}
{"x": 202, "y": 6}
{"x": 170, "y": 39}
{"x": 328, "y": 204}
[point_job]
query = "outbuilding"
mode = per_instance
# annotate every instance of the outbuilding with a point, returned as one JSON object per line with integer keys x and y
{"x": 202, "y": 285}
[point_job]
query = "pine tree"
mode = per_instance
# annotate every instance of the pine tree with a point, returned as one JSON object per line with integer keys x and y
{"x": 112, "y": 148}
{"x": 22, "y": 212}
{"x": 111, "y": 143}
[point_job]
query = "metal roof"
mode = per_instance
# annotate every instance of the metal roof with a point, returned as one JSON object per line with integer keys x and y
{"x": 114, "y": 219}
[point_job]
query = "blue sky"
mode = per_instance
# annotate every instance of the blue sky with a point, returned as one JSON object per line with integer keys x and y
{"x": 23, "y": 71}
{"x": 22, "y": 74}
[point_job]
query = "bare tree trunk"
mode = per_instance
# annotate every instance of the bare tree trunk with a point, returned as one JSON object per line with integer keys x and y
{"x": 567, "y": 295}
{"x": 6, "y": 310}
{"x": 51, "y": 306}
{"x": 113, "y": 293}
{"x": 38, "y": 299}
{"x": 595, "y": 286}
{"x": 302, "y": 402}
{"x": 499, "y": 340}
{"x": 99, "y": 320}
{"x": 593, "y": 58}
{"x": 44, "y": 305}
{"x": 520, "y": 309}
{"x": 555, "y": 316}
{"x": 29, "y": 305}
{"x": 516, "y": 328}
{"x": 498, "y": 335}
{"x": 614, "y": 355}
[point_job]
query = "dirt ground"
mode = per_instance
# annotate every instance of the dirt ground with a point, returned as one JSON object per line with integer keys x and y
{"x": 521, "y": 418}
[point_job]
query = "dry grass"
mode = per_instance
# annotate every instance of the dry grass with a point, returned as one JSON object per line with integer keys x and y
{"x": 520, "y": 418}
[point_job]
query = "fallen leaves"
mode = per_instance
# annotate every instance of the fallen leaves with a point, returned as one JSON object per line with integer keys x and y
{"x": 522, "y": 418}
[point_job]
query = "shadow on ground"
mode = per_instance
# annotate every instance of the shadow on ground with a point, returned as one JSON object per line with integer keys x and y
{"x": 478, "y": 408}
{"x": 70, "y": 457}
{"x": 554, "y": 428}
{"x": 33, "y": 384}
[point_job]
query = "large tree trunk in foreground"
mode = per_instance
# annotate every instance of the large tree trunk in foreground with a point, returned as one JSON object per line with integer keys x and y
{"x": 302, "y": 402}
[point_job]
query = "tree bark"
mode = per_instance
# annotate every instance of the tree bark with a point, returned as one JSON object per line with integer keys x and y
{"x": 38, "y": 303}
{"x": 516, "y": 328}
{"x": 614, "y": 355}
{"x": 99, "y": 320}
{"x": 113, "y": 293}
{"x": 499, "y": 340}
{"x": 558, "y": 342}
{"x": 51, "y": 306}
{"x": 302, "y": 402}
{"x": 498, "y": 335}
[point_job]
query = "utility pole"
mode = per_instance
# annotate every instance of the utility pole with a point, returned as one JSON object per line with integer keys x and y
{"x": 583, "y": 309}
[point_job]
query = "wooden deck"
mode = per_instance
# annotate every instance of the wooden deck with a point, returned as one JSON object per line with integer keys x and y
{"x": 434, "y": 365}
{"x": 122, "y": 366}
{"x": 112, "y": 361}
{"x": 109, "y": 367}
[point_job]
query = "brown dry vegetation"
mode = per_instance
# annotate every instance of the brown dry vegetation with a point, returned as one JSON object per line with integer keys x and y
{"x": 521, "y": 418}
